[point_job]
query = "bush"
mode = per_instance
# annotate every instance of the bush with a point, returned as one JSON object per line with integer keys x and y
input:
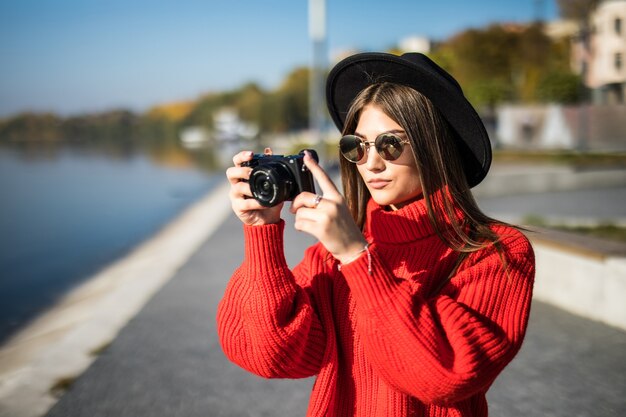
{"x": 560, "y": 87}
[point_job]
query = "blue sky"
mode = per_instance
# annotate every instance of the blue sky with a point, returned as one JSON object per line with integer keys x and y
{"x": 72, "y": 56}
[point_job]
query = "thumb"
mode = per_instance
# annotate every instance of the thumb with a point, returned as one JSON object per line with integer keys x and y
{"x": 326, "y": 184}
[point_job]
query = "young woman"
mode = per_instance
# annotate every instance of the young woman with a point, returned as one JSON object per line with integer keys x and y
{"x": 413, "y": 301}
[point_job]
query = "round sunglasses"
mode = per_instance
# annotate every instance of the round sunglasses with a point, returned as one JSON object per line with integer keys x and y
{"x": 388, "y": 145}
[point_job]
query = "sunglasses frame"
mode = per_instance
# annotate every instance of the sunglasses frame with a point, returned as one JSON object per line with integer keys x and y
{"x": 365, "y": 145}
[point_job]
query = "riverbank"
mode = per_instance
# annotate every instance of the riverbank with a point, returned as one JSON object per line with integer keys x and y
{"x": 67, "y": 213}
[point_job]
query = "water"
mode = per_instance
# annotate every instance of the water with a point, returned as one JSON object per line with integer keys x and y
{"x": 64, "y": 217}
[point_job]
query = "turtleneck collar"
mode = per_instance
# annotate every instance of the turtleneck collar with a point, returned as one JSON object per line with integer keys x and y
{"x": 407, "y": 224}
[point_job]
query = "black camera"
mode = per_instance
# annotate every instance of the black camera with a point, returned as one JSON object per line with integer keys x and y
{"x": 278, "y": 178}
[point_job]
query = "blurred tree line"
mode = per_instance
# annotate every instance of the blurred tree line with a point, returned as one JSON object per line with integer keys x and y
{"x": 510, "y": 63}
{"x": 282, "y": 110}
{"x": 499, "y": 63}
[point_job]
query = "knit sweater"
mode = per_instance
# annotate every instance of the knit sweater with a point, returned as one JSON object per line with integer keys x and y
{"x": 379, "y": 342}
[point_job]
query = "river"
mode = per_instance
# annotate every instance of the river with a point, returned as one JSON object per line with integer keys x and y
{"x": 64, "y": 215}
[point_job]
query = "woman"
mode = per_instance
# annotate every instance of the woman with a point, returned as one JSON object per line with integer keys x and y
{"x": 413, "y": 300}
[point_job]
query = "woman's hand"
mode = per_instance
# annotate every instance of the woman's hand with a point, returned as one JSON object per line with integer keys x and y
{"x": 328, "y": 219}
{"x": 244, "y": 205}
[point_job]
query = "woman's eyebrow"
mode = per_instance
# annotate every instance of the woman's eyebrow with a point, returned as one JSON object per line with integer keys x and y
{"x": 395, "y": 131}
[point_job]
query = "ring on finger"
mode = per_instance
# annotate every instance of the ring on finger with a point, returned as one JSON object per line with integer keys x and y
{"x": 317, "y": 200}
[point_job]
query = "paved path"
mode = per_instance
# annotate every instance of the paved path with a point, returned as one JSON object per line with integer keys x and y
{"x": 167, "y": 360}
{"x": 572, "y": 207}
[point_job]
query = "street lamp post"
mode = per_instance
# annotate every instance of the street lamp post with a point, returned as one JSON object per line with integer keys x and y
{"x": 317, "y": 33}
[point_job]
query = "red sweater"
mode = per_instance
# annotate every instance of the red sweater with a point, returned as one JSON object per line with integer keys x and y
{"x": 379, "y": 344}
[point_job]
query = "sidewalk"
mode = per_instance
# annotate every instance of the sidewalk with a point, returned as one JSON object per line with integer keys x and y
{"x": 167, "y": 361}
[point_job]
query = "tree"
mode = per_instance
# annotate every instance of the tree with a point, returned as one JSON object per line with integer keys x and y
{"x": 502, "y": 62}
{"x": 483, "y": 54}
{"x": 560, "y": 87}
{"x": 485, "y": 62}
{"x": 32, "y": 127}
{"x": 533, "y": 59}
{"x": 293, "y": 100}
{"x": 579, "y": 10}
{"x": 248, "y": 103}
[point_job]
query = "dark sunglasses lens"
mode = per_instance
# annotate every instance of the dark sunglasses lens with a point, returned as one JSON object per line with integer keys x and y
{"x": 389, "y": 147}
{"x": 351, "y": 148}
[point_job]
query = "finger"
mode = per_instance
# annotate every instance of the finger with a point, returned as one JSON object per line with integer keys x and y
{"x": 310, "y": 221}
{"x": 304, "y": 199}
{"x": 241, "y": 190}
{"x": 242, "y": 157}
{"x": 326, "y": 184}
{"x": 268, "y": 151}
{"x": 249, "y": 204}
{"x": 312, "y": 215}
{"x": 237, "y": 174}
{"x": 307, "y": 226}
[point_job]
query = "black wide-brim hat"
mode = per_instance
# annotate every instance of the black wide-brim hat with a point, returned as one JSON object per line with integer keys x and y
{"x": 353, "y": 74}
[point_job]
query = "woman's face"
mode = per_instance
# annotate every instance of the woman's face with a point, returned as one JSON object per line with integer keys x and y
{"x": 394, "y": 183}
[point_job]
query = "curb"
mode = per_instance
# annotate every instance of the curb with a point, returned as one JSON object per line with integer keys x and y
{"x": 522, "y": 179}
{"x": 582, "y": 275}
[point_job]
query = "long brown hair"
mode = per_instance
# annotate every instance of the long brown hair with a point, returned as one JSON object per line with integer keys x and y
{"x": 438, "y": 162}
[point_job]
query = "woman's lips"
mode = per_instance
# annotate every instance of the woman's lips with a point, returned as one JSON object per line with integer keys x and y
{"x": 378, "y": 184}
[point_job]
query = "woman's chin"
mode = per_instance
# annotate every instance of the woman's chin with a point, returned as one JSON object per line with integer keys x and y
{"x": 382, "y": 199}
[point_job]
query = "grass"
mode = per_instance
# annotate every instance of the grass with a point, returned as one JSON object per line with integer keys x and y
{"x": 61, "y": 386}
{"x": 100, "y": 349}
{"x": 608, "y": 231}
{"x": 65, "y": 383}
{"x": 602, "y": 231}
{"x": 582, "y": 159}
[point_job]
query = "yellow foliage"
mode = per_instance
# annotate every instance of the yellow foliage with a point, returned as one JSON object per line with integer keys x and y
{"x": 173, "y": 158}
{"x": 395, "y": 51}
{"x": 173, "y": 111}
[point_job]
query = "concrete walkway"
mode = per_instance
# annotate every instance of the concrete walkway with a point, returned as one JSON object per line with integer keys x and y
{"x": 167, "y": 361}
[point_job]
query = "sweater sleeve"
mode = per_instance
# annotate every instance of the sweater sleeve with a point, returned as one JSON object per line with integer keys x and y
{"x": 448, "y": 347}
{"x": 267, "y": 323}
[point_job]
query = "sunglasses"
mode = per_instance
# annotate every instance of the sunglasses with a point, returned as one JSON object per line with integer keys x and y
{"x": 388, "y": 145}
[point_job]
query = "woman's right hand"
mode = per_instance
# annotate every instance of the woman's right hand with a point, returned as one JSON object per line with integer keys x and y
{"x": 244, "y": 205}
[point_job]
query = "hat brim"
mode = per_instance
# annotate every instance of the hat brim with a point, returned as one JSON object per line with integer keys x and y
{"x": 350, "y": 76}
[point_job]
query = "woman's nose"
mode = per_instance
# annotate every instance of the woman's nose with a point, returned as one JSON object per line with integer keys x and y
{"x": 373, "y": 162}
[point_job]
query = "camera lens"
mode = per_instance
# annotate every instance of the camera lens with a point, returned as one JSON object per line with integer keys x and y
{"x": 271, "y": 184}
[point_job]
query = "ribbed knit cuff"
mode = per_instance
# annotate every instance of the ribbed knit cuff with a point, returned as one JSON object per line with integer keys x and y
{"x": 264, "y": 246}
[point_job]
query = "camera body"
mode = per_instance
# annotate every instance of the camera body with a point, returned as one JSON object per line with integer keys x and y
{"x": 278, "y": 178}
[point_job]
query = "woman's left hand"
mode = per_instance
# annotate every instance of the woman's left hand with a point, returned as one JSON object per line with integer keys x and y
{"x": 328, "y": 218}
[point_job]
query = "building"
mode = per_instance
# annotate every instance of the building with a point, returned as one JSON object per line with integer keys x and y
{"x": 600, "y": 57}
{"x": 415, "y": 44}
{"x": 561, "y": 29}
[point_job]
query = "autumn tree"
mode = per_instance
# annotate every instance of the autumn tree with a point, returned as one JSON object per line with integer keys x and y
{"x": 504, "y": 62}
{"x": 579, "y": 10}
{"x": 32, "y": 127}
{"x": 292, "y": 98}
